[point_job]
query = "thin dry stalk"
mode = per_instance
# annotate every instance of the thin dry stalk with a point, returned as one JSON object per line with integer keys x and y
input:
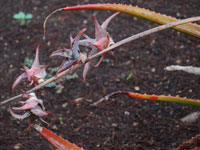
{"x": 129, "y": 39}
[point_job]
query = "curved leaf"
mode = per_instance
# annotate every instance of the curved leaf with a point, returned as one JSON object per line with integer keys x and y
{"x": 55, "y": 140}
{"x": 173, "y": 99}
{"x": 189, "y": 28}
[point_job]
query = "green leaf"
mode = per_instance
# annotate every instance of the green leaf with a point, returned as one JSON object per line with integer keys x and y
{"x": 53, "y": 70}
{"x": 60, "y": 119}
{"x": 129, "y": 76}
{"x": 106, "y": 60}
{"x": 50, "y": 85}
{"x": 28, "y": 62}
{"x": 19, "y": 16}
{"x": 71, "y": 77}
{"x": 137, "y": 57}
{"x": 29, "y": 16}
{"x": 13, "y": 119}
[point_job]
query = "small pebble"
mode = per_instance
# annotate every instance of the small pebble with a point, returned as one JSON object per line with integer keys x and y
{"x": 136, "y": 88}
{"x": 182, "y": 46}
{"x": 64, "y": 105}
{"x": 191, "y": 118}
{"x": 114, "y": 125}
{"x": 135, "y": 18}
{"x": 18, "y": 146}
{"x": 179, "y": 92}
{"x": 135, "y": 124}
{"x": 85, "y": 22}
{"x": 117, "y": 80}
{"x": 178, "y": 14}
{"x": 48, "y": 43}
{"x": 153, "y": 70}
{"x": 54, "y": 127}
{"x": 127, "y": 113}
{"x": 178, "y": 61}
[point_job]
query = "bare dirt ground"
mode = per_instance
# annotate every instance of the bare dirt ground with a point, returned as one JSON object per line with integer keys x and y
{"x": 122, "y": 122}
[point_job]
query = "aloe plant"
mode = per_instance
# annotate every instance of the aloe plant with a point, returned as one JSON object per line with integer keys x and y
{"x": 75, "y": 59}
{"x": 33, "y": 107}
{"x": 188, "y": 28}
{"x": 73, "y": 56}
{"x": 117, "y": 44}
{"x": 35, "y": 74}
{"x": 162, "y": 98}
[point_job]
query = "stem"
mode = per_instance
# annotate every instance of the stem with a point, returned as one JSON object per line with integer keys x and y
{"x": 107, "y": 97}
{"x": 45, "y": 21}
{"x": 129, "y": 39}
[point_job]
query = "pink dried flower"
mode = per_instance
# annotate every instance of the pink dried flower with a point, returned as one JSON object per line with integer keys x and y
{"x": 102, "y": 41}
{"x": 35, "y": 74}
{"x": 32, "y": 106}
{"x": 73, "y": 55}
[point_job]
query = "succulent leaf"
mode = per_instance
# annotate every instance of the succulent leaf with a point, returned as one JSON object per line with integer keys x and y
{"x": 35, "y": 74}
{"x": 19, "y": 79}
{"x": 57, "y": 141}
{"x": 61, "y": 52}
{"x": 65, "y": 65}
{"x": 75, "y": 44}
{"x": 189, "y": 28}
{"x": 107, "y": 21}
{"x": 173, "y": 99}
{"x": 19, "y": 117}
{"x": 88, "y": 65}
{"x": 71, "y": 57}
{"x": 102, "y": 40}
{"x": 32, "y": 105}
{"x": 39, "y": 112}
{"x": 26, "y": 106}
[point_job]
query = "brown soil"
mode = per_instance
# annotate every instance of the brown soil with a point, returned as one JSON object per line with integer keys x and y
{"x": 122, "y": 122}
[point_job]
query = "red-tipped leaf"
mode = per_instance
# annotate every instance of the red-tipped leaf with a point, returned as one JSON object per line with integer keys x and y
{"x": 189, "y": 28}
{"x": 173, "y": 99}
{"x": 57, "y": 141}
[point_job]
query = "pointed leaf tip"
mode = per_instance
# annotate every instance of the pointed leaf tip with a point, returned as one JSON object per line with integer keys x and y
{"x": 79, "y": 34}
{"x": 59, "y": 142}
{"x": 36, "y": 62}
{"x": 19, "y": 80}
{"x": 20, "y": 117}
{"x": 107, "y": 21}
